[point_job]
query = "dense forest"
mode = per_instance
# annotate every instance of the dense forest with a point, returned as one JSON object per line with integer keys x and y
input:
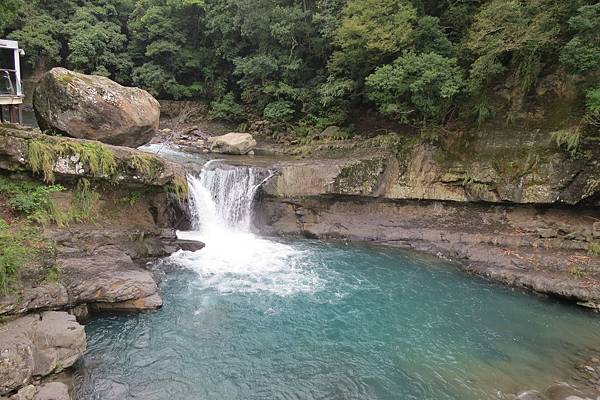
{"x": 319, "y": 62}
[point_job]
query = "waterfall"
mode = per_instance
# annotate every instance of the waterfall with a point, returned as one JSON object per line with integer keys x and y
{"x": 235, "y": 260}
{"x": 222, "y": 197}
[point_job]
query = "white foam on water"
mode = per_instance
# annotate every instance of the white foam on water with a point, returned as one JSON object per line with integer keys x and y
{"x": 235, "y": 259}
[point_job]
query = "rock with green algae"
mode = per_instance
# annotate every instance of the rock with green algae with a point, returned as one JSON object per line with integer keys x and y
{"x": 54, "y": 157}
{"x": 496, "y": 172}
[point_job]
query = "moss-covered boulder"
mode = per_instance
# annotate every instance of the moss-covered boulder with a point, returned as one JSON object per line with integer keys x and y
{"x": 94, "y": 107}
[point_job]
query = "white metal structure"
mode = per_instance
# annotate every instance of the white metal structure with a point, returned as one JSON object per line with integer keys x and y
{"x": 11, "y": 90}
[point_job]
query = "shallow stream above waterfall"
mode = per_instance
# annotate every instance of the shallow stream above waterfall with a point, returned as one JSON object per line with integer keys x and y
{"x": 250, "y": 317}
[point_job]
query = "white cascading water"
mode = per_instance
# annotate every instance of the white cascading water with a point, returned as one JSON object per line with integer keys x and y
{"x": 235, "y": 259}
{"x": 222, "y": 197}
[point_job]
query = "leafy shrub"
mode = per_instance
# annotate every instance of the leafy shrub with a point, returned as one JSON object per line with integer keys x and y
{"x": 29, "y": 198}
{"x": 429, "y": 37}
{"x": 279, "y": 111}
{"x": 592, "y": 101}
{"x": 415, "y": 86}
{"x": 227, "y": 109}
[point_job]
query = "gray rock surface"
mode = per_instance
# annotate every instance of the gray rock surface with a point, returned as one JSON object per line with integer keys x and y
{"x": 232, "y": 143}
{"x": 108, "y": 275}
{"x": 94, "y": 107}
{"x": 38, "y": 345}
{"x": 52, "y": 391}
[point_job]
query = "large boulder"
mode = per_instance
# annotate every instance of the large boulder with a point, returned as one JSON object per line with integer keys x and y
{"x": 94, "y": 107}
{"x": 232, "y": 143}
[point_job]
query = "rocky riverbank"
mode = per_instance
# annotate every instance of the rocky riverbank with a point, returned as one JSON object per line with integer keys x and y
{"x": 104, "y": 211}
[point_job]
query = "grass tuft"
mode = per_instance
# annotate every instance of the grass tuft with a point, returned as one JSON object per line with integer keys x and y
{"x": 594, "y": 249}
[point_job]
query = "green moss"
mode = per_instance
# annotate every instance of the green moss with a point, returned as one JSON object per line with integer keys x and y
{"x": 65, "y": 79}
{"x": 52, "y": 274}
{"x": 179, "y": 186}
{"x": 132, "y": 198}
{"x": 43, "y": 155}
{"x": 99, "y": 159}
{"x": 148, "y": 166}
{"x": 576, "y": 271}
{"x": 360, "y": 177}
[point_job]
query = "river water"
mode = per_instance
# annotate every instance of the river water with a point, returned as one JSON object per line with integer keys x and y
{"x": 250, "y": 317}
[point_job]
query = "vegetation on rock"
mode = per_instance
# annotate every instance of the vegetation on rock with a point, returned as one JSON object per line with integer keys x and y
{"x": 21, "y": 240}
{"x": 147, "y": 165}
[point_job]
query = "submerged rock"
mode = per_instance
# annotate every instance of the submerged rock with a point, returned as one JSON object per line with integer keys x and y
{"x": 38, "y": 345}
{"x": 232, "y": 143}
{"x": 94, "y": 107}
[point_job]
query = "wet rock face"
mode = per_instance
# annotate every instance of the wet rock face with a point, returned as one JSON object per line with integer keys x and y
{"x": 37, "y": 345}
{"x": 232, "y": 143}
{"x": 96, "y": 108}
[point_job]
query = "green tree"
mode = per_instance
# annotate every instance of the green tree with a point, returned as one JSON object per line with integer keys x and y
{"x": 370, "y": 32}
{"x": 416, "y": 87}
{"x": 8, "y": 12}
{"x": 582, "y": 52}
{"x": 40, "y": 37}
{"x": 96, "y": 43}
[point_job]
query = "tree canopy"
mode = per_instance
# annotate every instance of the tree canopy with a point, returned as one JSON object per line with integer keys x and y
{"x": 412, "y": 61}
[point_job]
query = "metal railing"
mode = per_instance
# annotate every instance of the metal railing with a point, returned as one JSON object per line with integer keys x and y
{"x": 9, "y": 84}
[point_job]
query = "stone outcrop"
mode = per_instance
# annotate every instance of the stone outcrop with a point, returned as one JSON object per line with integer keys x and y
{"x": 52, "y": 391}
{"x": 98, "y": 268}
{"x": 94, "y": 107}
{"x": 37, "y": 345}
{"x": 496, "y": 167}
{"x": 130, "y": 166}
{"x": 107, "y": 276}
{"x": 232, "y": 143}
